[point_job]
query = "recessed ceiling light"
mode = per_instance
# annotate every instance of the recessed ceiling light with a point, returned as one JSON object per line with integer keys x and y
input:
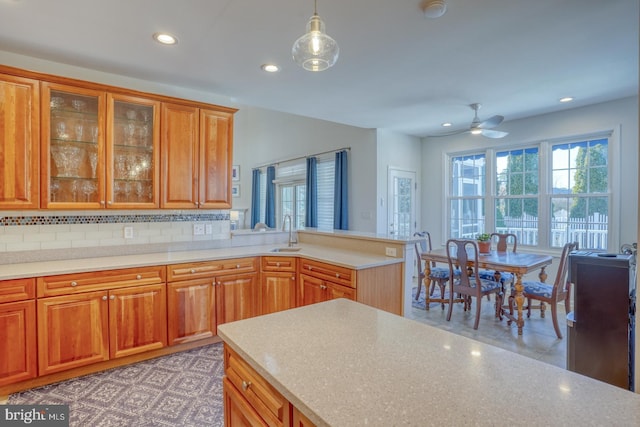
{"x": 447, "y": 124}
{"x": 270, "y": 68}
{"x": 566, "y": 99}
{"x": 165, "y": 38}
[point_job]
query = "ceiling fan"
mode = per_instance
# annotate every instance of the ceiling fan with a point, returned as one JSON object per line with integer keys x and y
{"x": 484, "y": 128}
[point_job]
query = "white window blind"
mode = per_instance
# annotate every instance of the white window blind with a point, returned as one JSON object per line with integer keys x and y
{"x": 326, "y": 178}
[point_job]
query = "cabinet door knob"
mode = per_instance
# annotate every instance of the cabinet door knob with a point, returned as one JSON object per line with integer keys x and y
{"x": 323, "y": 287}
{"x": 138, "y": 277}
{"x": 102, "y": 202}
{"x": 277, "y": 264}
{"x": 112, "y": 297}
{"x": 74, "y": 284}
{"x": 193, "y": 270}
{"x": 110, "y": 202}
{"x": 338, "y": 275}
{"x": 293, "y": 277}
{"x": 309, "y": 268}
{"x": 237, "y": 265}
{"x": 104, "y": 298}
{"x": 246, "y": 385}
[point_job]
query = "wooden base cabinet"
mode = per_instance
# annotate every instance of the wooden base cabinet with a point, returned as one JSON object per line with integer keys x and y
{"x": 86, "y": 318}
{"x": 277, "y": 285}
{"x": 322, "y": 282}
{"x": 237, "y": 297}
{"x": 191, "y": 310}
{"x": 18, "y": 358}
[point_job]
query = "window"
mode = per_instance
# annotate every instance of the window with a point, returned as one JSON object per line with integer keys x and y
{"x": 291, "y": 189}
{"x": 545, "y": 202}
{"x": 517, "y": 189}
{"x": 466, "y": 205}
{"x": 580, "y": 199}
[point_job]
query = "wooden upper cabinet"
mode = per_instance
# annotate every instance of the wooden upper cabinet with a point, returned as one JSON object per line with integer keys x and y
{"x": 72, "y": 150}
{"x": 179, "y": 156}
{"x": 19, "y": 142}
{"x": 196, "y": 155}
{"x": 133, "y": 152}
{"x": 216, "y": 148}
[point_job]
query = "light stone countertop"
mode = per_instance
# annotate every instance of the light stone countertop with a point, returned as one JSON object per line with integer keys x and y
{"x": 342, "y": 363}
{"x": 344, "y": 258}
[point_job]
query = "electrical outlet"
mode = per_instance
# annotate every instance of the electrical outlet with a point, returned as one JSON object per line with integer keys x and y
{"x": 198, "y": 229}
{"x": 208, "y": 229}
{"x": 390, "y": 251}
{"x": 128, "y": 232}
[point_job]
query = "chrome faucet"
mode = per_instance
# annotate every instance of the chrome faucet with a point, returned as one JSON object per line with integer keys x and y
{"x": 284, "y": 222}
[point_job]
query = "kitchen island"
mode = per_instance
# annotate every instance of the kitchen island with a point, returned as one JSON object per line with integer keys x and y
{"x": 341, "y": 363}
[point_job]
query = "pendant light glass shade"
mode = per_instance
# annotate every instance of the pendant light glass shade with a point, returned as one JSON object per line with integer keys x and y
{"x": 315, "y": 50}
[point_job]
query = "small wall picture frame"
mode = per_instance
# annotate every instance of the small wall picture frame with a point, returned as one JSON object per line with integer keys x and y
{"x": 235, "y": 190}
{"x": 235, "y": 173}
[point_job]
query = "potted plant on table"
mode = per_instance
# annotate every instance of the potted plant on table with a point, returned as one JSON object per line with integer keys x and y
{"x": 484, "y": 243}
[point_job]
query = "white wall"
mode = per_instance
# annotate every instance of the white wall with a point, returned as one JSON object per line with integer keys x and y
{"x": 397, "y": 151}
{"x": 619, "y": 116}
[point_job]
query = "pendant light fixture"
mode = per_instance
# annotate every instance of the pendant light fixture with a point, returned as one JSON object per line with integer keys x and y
{"x": 315, "y": 50}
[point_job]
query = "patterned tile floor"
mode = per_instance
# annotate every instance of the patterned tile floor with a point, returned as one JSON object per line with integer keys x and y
{"x": 182, "y": 389}
{"x": 538, "y": 340}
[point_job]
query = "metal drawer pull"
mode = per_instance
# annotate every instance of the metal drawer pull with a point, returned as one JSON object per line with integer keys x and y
{"x": 338, "y": 275}
{"x": 323, "y": 287}
{"x": 74, "y": 283}
{"x": 246, "y": 385}
{"x": 277, "y": 264}
{"x": 104, "y": 298}
{"x": 237, "y": 265}
{"x": 193, "y": 270}
{"x": 112, "y": 297}
{"x": 138, "y": 277}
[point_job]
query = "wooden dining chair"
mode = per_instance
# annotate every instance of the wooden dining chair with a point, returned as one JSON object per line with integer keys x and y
{"x": 438, "y": 276}
{"x": 465, "y": 252}
{"x": 503, "y": 243}
{"x": 550, "y": 294}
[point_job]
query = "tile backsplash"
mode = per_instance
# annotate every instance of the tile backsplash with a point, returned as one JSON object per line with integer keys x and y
{"x": 55, "y": 230}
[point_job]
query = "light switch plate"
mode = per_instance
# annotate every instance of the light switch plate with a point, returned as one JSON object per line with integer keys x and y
{"x": 390, "y": 251}
{"x": 198, "y": 229}
{"x": 128, "y": 232}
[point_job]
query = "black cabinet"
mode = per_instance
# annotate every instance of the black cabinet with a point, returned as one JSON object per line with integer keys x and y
{"x": 601, "y": 327}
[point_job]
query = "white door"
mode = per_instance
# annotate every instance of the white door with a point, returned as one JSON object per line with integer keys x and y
{"x": 402, "y": 210}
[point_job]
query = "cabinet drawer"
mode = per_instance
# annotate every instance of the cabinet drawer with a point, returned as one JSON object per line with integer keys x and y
{"x": 82, "y": 282}
{"x": 333, "y": 273}
{"x": 17, "y": 290}
{"x": 265, "y": 399}
{"x": 278, "y": 263}
{"x": 195, "y": 270}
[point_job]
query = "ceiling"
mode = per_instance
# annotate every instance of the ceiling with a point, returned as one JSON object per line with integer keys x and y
{"x": 397, "y": 69}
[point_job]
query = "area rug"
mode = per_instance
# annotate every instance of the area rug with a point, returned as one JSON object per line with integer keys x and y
{"x": 420, "y": 302}
{"x": 182, "y": 389}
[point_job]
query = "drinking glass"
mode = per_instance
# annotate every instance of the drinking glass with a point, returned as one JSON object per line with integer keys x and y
{"x": 79, "y": 128}
{"x": 88, "y": 188}
{"x": 93, "y": 161}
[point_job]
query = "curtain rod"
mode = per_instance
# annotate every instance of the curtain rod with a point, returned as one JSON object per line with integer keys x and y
{"x": 301, "y": 157}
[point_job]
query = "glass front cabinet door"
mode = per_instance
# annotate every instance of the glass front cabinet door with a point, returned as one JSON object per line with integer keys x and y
{"x": 72, "y": 147}
{"x": 133, "y": 140}
{"x": 101, "y": 149}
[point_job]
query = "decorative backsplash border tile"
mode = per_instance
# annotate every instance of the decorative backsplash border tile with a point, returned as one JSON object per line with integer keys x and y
{"x": 6, "y": 221}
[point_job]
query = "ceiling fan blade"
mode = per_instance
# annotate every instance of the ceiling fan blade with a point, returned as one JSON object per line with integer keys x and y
{"x": 454, "y": 132}
{"x": 491, "y": 122}
{"x": 495, "y": 134}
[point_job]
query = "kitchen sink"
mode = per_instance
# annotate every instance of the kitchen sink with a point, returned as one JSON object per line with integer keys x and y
{"x": 292, "y": 249}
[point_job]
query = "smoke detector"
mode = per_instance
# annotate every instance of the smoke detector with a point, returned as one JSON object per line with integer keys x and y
{"x": 433, "y": 8}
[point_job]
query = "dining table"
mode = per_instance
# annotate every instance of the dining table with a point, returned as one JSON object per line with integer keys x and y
{"x": 517, "y": 263}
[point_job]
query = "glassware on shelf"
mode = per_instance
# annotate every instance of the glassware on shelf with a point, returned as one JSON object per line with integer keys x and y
{"x": 121, "y": 166}
{"x": 56, "y": 102}
{"x": 79, "y": 129}
{"x": 94, "y": 133}
{"x": 54, "y": 188}
{"x": 61, "y": 130}
{"x": 131, "y": 114}
{"x": 129, "y": 133}
{"x": 67, "y": 160}
{"x": 78, "y": 104}
{"x": 88, "y": 188}
{"x": 75, "y": 188}
{"x": 93, "y": 162}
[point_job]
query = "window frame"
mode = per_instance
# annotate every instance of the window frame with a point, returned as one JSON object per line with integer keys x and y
{"x": 545, "y": 184}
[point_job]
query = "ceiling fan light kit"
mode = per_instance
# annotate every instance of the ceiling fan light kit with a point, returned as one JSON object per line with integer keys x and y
{"x": 315, "y": 50}
{"x": 477, "y": 127}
